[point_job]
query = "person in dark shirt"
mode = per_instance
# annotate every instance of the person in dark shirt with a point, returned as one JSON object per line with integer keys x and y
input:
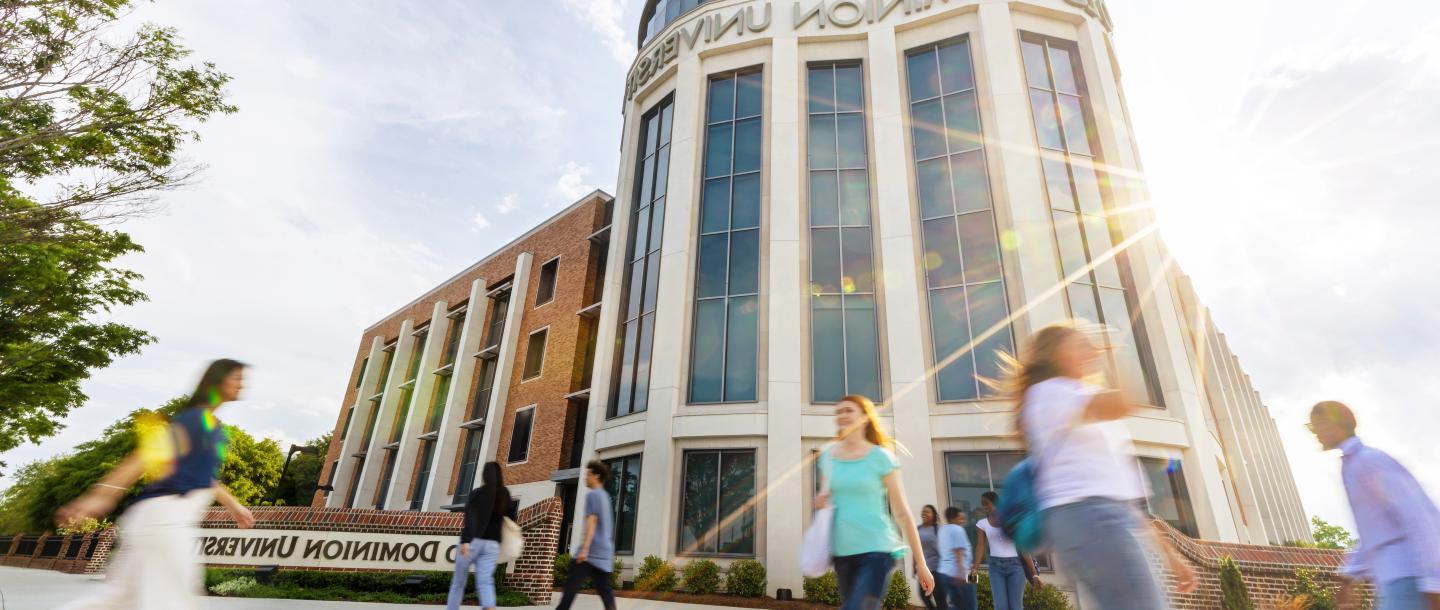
{"x": 156, "y": 566}
{"x": 485, "y": 512}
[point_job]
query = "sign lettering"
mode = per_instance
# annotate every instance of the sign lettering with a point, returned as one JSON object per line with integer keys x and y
{"x": 324, "y": 549}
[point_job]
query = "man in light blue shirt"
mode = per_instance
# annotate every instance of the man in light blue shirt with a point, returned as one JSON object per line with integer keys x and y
{"x": 1399, "y": 526}
{"x": 955, "y": 556}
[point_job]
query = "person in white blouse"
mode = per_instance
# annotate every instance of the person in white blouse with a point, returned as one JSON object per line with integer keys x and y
{"x": 1008, "y": 567}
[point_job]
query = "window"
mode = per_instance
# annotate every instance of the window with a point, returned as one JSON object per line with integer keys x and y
{"x": 480, "y": 407}
{"x": 968, "y": 475}
{"x": 361, "y": 374}
{"x": 407, "y": 387}
{"x": 716, "y": 515}
{"x": 349, "y": 415}
{"x": 727, "y": 270}
{"x": 1076, "y": 187}
{"x": 624, "y": 490}
{"x": 665, "y": 12}
{"x": 334, "y": 470}
{"x": 1169, "y": 498}
{"x": 469, "y": 463}
{"x": 373, "y": 414}
{"x": 452, "y": 339}
{"x": 520, "y": 435}
{"x": 388, "y": 472}
{"x": 437, "y": 402}
{"x": 389, "y": 352}
{"x": 354, "y": 482}
{"x": 844, "y": 335}
{"x": 642, "y": 264}
{"x": 397, "y": 426}
{"x": 422, "y": 477}
{"x": 499, "y": 308}
{"x": 965, "y": 286}
{"x": 534, "y": 355}
{"x": 546, "y": 292}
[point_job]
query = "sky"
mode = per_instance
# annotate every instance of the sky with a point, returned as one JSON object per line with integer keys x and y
{"x": 382, "y": 147}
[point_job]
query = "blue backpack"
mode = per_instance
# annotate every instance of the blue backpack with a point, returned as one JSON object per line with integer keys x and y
{"x": 1020, "y": 508}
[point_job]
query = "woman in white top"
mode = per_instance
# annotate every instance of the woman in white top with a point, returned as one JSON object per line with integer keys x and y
{"x": 1087, "y": 480}
{"x": 1008, "y": 567}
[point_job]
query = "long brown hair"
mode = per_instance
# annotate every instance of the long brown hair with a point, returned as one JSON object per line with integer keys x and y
{"x": 1035, "y": 364}
{"x": 873, "y": 433}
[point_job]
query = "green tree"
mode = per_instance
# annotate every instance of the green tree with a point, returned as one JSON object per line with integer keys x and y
{"x": 1234, "y": 594}
{"x": 297, "y": 485}
{"x": 1330, "y": 536}
{"x": 92, "y": 118}
{"x": 40, "y": 488}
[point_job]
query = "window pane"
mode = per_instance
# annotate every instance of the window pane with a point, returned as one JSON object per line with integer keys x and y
{"x": 987, "y": 309}
{"x": 651, "y": 130}
{"x": 850, "y": 130}
{"x": 1169, "y": 498}
{"x": 950, "y": 332}
{"x": 1072, "y": 251}
{"x": 520, "y": 436}
{"x": 715, "y": 206}
{"x": 652, "y": 287}
{"x": 932, "y": 180}
{"x": 859, "y": 273}
{"x": 625, "y": 387}
{"x": 822, "y": 142}
{"x": 1098, "y": 236}
{"x": 1047, "y": 131}
{"x": 642, "y": 363}
{"x": 741, "y": 338}
{"x": 849, "y": 89}
{"x": 737, "y": 489}
{"x": 928, "y": 129}
{"x": 979, "y": 249}
{"x": 924, "y": 75}
{"x": 1127, "y": 358}
{"x": 827, "y": 348}
{"x": 710, "y": 281}
{"x": 825, "y": 271}
{"x": 657, "y": 223}
{"x": 972, "y": 188}
{"x": 662, "y": 170}
{"x": 862, "y": 347}
{"x": 543, "y": 294}
{"x": 709, "y": 363}
{"x": 1087, "y": 183}
{"x": 634, "y": 299}
{"x": 748, "y": 95}
{"x": 745, "y": 202}
{"x": 821, "y": 89}
{"x": 665, "y": 115}
{"x": 942, "y": 253}
{"x": 717, "y": 150}
{"x": 700, "y": 502}
{"x": 1057, "y": 182}
{"x": 747, "y": 146}
{"x": 1073, "y": 120}
{"x": 745, "y": 262}
{"x": 854, "y": 197}
{"x": 1035, "y": 70}
{"x": 823, "y": 199}
{"x": 534, "y": 355}
{"x": 969, "y": 477}
{"x": 722, "y": 100}
{"x": 1001, "y": 464}
{"x": 955, "y": 67}
{"x": 640, "y": 238}
{"x": 962, "y": 121}
{"x": 647, "y": 180}
{"x": 1082, "y": 302}
{"x": 1064, "y": 73}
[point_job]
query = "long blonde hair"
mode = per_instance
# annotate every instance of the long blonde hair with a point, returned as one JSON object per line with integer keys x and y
{"x": 1035, "y": 364}
{"x": 873, "y": 433}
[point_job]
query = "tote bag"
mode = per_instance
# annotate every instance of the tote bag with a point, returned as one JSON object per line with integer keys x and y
{"x": 815, "y": 546}
{"x": 512, "y": 542}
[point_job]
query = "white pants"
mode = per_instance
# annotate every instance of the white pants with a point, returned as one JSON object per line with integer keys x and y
{"x": 156, "y": 567}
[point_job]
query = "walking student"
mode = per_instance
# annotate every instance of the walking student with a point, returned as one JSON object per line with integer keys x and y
{"x": 863, "y": 475}
{"x": 156, "y": 566}
{"x": 594, "y": 555}
{"x": 1398, "y": 523}
{"x": 955, "y": 567}
{"x": 1007, "y": 566}
{"x": 929, "y": 532}
{"x": 1088, "y": 483}
{"x": 485, "y": 512}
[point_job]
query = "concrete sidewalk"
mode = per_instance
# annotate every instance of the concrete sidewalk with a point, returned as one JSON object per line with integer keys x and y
{"x": 26, "y": 589}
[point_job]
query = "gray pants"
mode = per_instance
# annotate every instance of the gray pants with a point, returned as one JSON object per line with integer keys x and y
{"x": 1099, "y": 541}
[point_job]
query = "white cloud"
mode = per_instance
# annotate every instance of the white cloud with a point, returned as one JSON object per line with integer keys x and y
{"x": 507, "y": 203}
{"x": 480, "y": 221}
{"x": 572, "y": 185}
{"x": 606, "y": 18}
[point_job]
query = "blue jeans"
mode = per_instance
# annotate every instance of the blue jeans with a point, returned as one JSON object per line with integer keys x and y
{"x": 483, "y": 554}
{"x": 1098, "y": 541}
{"x": 960, "y": 593}
{"x": 1007, "y": 583}
{"x": 1401, "y": 594}
{"x": 863, "y": 579}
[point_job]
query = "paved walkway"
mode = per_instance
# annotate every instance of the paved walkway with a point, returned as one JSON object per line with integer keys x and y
{"x": 26, "y": 589}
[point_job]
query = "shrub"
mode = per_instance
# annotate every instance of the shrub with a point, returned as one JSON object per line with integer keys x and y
{"x": 702, "y": 577}
{"x": 1233, "y": 593}
{"x": 746, "y": 578}
{"x": 615, "y": 573}
{"x": 234, "y": 586}
{"x": 898, "y": 594}
{"x": 1310, "y": 593}
{"x": 823, "y": 590}
{"x": 655, "y": 575}
{"x": 1046, "y": 597}
{"x": 983, "y": 599}
{"x": 561, "y": 572}
{"x": 352, "y": 586}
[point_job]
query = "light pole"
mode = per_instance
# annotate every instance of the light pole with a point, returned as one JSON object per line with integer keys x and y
{"x": 294, "y": 449}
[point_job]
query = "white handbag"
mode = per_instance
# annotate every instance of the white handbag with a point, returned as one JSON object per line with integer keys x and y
{"x": 815, "y": 549}
{"x": 512, "y": 542}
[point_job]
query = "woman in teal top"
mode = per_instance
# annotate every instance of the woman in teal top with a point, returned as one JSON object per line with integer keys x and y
{"x": 862, "y": 477}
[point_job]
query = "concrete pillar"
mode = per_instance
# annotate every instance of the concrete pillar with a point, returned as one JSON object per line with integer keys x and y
{"x": 472, "y": 327}
{"x": 421, "y": 395}
{"x": 370, "y": 474}
{"x": 340, "y": 478}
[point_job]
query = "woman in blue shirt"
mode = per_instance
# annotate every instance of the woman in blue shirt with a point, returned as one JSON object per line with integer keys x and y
{"x": 156, "y": 566}
{"x": 865, "y": 540}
